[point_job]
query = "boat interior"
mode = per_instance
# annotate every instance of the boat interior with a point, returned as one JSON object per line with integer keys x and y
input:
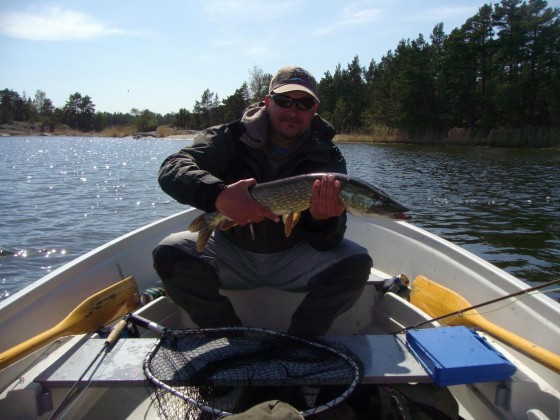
{"x": 114, "y": 386}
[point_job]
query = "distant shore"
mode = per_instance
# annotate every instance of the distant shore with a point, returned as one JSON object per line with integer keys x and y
{"x": 532, "y": 137}
{"x": 25, "y": 129}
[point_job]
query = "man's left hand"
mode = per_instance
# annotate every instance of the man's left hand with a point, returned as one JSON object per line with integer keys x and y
{"x": 325, "y": 202}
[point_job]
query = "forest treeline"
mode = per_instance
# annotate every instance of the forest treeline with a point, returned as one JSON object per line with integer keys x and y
{"x": 495, "y": 80}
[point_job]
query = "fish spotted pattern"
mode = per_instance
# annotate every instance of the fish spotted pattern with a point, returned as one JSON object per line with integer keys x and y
{"x": 289, "y": 197}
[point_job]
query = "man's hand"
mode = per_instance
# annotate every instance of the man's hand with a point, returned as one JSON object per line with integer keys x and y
{"x": 324, "y": 199}
{"x": 236, "y": 203}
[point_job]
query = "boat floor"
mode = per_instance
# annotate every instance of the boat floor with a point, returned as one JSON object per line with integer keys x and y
{"x": 115, "y": 386}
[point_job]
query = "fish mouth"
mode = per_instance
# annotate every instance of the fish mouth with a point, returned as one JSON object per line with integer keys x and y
{"x": 391, "y": 210}
{"x": 401, "y": 215}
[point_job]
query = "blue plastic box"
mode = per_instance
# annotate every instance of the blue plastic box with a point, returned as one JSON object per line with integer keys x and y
{"x": 457, "y": 355}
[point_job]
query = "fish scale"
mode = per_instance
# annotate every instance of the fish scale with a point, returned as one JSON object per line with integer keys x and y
{"x": 288, "y": 197}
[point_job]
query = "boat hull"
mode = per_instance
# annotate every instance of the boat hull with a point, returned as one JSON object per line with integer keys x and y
{"x": 395, "y": 247}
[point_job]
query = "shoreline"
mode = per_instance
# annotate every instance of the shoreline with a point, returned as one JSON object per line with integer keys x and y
{"x": 24, "y": 129}
{"x": 529, "y": 137}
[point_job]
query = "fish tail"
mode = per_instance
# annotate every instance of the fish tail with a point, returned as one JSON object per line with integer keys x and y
{"x": 198, "y": 224}
{"x": 202, "y": 239}
{"x": 204, "y": 228}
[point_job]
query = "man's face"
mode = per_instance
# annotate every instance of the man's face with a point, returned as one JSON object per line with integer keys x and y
{"x": 290, "y": 123}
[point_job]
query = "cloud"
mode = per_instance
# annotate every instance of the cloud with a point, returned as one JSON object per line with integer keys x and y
{"x": 53, "y": 24}
{"x": 248, "y": 9}
{"x": 359, "y": 13}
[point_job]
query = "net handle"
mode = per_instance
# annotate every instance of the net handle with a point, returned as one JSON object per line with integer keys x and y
{"x": 145, "y": 323}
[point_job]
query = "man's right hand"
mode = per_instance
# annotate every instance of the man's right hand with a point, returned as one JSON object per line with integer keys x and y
{"x": 236, "y": 203}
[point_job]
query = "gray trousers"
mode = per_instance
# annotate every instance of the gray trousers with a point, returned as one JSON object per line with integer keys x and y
{"x": 333, "y": 280}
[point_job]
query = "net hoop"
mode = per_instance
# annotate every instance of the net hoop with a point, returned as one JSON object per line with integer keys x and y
{"x": 217, "y": 412}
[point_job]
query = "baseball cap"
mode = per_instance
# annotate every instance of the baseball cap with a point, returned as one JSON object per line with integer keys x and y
{"x": 291, "y": 78}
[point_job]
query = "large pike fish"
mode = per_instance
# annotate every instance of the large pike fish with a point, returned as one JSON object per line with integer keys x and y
{"x": 288, "y": 197}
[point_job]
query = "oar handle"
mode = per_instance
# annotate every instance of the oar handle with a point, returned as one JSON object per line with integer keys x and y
{"x": 29, "y": 346}
{"x": 529, "y": 349}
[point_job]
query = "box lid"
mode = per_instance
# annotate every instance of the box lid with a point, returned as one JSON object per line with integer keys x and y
{"x": 458, "y": 355}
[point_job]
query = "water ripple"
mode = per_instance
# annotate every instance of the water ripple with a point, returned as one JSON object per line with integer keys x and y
{"x": 63, "y": 196}
{"x": 501, "y": 204}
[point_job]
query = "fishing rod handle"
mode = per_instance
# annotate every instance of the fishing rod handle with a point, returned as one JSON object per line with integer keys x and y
{"x": 116, "y": 332}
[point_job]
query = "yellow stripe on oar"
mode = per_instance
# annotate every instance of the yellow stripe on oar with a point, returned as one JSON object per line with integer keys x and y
{"x": 96, "y": 311}
{"x": 437, "y": 301}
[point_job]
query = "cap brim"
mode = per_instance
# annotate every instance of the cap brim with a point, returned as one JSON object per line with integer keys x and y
{"x": 294, "y": 87}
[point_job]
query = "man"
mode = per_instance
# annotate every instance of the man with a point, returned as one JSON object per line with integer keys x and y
{"x": 281, "y": 138}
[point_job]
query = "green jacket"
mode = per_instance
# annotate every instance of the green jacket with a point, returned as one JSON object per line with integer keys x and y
{"x": 224, "y": 154}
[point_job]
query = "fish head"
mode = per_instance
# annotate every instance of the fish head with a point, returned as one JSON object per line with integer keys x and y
{"x": 363, "y": 199}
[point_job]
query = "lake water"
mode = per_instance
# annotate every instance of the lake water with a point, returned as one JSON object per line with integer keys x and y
{"x": 63, "y": 196}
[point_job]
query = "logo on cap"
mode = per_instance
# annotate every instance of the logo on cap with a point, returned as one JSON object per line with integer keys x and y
{"x": 294, "y": 78}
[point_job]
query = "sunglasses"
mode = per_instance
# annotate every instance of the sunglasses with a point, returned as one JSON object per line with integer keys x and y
{"x": 284, "y": 101}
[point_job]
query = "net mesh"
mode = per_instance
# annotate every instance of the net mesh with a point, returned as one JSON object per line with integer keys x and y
{"x": 208, "y": 373}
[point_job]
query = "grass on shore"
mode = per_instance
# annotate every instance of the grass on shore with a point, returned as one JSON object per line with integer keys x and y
{"x": 117, "y": 131}
{"x": 128, "y": 131}
{"x": 537, "y": 137}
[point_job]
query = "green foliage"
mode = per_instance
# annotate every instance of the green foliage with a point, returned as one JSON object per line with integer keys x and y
{"x": 146, "y": 121}
{"x": 499, "y": 71}
{"x": 234, "y": 105}
{"x": 205, "y": 109}
{"x": 44, "y": 109}
{"x": 501, "y": 68}
{"x": 14, "y": 107}
{"x": 79, "y": 112}
{"x": 259, "y": 82}
{"x": 183, "y": 119}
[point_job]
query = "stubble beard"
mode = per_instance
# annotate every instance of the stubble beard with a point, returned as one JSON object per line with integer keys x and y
{"x": 293, "y": 133}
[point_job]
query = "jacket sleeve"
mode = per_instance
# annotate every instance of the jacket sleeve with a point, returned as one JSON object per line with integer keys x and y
{"x": 193, "y": 175}
{"x": 326, "y": 234}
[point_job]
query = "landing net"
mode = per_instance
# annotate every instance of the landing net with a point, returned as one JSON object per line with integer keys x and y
{"x": 214, "y": 372}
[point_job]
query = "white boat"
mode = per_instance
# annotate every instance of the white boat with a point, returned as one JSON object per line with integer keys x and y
{"x": 33, "y": 386}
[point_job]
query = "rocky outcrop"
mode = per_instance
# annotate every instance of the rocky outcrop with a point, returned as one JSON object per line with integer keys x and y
{"x": 20, "y": 128}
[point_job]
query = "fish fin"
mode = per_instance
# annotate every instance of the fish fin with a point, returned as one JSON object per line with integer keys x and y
{"x": 227, "y": 224}
{"x": 290, "y": 220}
{"x": 205, "y": 225}
{"x": 203, "y": 238}
{"x": 198, "y": 223}
{"x": 297, "y": 218}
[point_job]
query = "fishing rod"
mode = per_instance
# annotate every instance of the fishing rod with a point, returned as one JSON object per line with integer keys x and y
{"x": 109, "y": 341}
{"x": 461, "y": 312}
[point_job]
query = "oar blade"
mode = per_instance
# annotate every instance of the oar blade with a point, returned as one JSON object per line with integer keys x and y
{"x": 103, "y": 307}
{"x": 437, "y": 300}
{"x": 96, "y": 311}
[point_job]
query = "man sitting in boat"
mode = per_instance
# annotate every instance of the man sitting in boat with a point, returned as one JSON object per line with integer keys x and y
{"x": 277, "y": 139}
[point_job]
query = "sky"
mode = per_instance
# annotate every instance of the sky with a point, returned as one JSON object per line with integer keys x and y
{"x": 162, "y": 55}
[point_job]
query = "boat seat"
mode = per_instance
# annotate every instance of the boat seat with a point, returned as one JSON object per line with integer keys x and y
{"x": 385, "y": 359}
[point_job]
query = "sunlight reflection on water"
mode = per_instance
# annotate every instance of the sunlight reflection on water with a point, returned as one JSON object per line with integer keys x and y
{"x": 63, "y": 196}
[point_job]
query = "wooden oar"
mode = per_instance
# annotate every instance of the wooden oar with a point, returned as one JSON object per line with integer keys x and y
{"x": 93, "y": 313}
{"x": 439, "y": 301}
